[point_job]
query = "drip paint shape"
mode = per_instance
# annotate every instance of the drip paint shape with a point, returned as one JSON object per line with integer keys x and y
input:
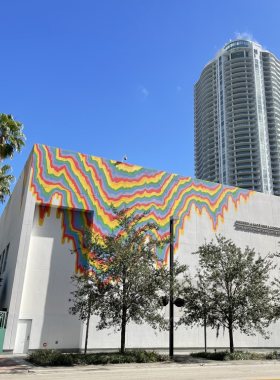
{"x": 43, "y": 211}
{"x": 73, "y": 224}
{"x": 81, "y": 182}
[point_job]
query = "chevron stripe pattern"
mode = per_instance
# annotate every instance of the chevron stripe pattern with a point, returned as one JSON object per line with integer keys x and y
{"x": 76, "y": 181}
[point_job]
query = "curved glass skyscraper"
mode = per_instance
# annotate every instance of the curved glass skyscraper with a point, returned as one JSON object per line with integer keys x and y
{"x": 237, "y": 118}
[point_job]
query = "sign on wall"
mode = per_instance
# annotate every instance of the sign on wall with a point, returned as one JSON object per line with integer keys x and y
{"x": 257, "y": 228}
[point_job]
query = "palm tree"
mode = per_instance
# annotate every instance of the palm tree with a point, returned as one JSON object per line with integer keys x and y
{"x": 5, "y": 182}
{"x": 11, "y": 136}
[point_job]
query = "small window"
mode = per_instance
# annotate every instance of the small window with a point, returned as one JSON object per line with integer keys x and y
{"x": 255, "y": 51}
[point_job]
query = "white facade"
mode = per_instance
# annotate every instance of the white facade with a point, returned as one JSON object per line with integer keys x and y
{"x": 36, "y": 287}
{"x": 237, "y": 118}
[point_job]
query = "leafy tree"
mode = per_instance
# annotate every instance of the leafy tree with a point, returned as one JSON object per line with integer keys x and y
{"x": 5, "y": 182}
{"x": 11, "y": 136}
{"x": 197, "y": 306}
{"x": 234, "y": 290}
{"x": 87, "y": 295}
{"x": 276, "y": 283}
{"x": 11, "y": 140}
{"x": 137, "y": 277}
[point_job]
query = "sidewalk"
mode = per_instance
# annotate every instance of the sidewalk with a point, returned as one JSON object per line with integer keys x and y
{"x": 8, "y": 365}
{"x": 18, "y": 364}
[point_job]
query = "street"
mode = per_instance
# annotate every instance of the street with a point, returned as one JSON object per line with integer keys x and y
{"x": 170, "y": 371}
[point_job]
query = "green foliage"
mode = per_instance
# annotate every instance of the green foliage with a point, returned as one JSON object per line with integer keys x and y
{"x": 210, "y": 355}
{"x": 233, "y": 290}
{"x": 276, "y": 284}
{"x": 11, "y": 136}
{"x": 49, "y": 358}
{"x": 5, "y": 182}
{"x": 137, "y": 278}
{"x": 11, "y": 140}
{"x": 87, "y": 296}
{"x": 237, "y": 355}
{"x": 57, "y": 358}
{"x": 273, "y": 355}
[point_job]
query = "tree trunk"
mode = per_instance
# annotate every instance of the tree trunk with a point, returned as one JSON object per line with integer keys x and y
{"x": 205, "y": 335}
{"x": 123, "y": 329}
{"x": 230, "y": 331}
{"x": 1, "y": 148}
{"x": 88, "y": 319}
{"x": 124, "y": 310}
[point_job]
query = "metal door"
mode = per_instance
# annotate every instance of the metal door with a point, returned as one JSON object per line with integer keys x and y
{"x": 23, "y": 336}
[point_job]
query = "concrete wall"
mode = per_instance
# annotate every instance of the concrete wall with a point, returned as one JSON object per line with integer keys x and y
{"x": 47, "y": 286}
{"x": 50, "y": 264}
{"x": 68, "y": 191}
{"x": 15, "y": 229}
{"x": 260, "y": 209}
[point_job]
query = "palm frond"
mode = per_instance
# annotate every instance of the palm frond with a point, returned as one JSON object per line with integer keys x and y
{"x": 5, "y": 182}
{"x": 11, "y": 136}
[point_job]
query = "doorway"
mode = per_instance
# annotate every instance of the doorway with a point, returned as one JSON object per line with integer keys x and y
{"x": 23, "y": 336}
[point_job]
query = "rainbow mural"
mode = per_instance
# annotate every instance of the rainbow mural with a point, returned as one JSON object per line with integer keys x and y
{"x": 73, "y": 223}
{"x": 76, "y": 181}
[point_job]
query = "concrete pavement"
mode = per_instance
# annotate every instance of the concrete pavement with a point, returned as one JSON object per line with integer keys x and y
{"x": 7, "y": 365}
{"x": 171, "y": 371}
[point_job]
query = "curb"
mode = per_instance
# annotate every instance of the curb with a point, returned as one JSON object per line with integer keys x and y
{"x": 28, "y": 368}
{"x": 138, "y": 366}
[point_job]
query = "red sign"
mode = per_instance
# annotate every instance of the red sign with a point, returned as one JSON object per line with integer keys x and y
{"x": 44, "y": 344}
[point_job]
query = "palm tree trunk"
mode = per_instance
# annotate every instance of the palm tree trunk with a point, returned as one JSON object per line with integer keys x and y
{"x": 1, "y": 145}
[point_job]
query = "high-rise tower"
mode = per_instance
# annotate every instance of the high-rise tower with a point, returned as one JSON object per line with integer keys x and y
{"x": 237, "y": 118}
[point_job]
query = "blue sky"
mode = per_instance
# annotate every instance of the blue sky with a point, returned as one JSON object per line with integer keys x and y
{"x": 115, "y": 77}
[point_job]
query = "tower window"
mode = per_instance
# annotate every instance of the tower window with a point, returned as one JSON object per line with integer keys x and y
{"x": 237, "y": 55}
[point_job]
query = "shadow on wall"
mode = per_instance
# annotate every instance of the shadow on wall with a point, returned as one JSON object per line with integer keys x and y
{"x": 47, "y": 286}
{"x": 4, "y": 296}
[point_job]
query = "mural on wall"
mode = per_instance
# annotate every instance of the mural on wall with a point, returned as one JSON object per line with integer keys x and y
{"x": 75, "y": 181}
{"x": 73, "y": 223}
